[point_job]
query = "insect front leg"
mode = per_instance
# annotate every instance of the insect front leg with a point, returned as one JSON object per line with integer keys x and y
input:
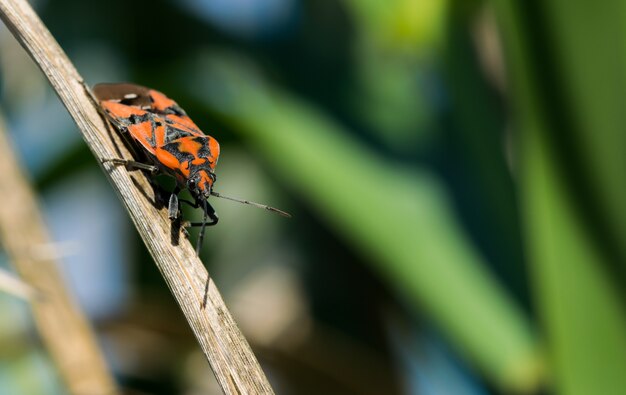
{"x": 212, "y": 215}
{"x": 210, "y": 212}
{"x": 132, "y": 165}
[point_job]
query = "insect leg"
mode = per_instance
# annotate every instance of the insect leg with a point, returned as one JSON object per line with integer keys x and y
{"x": 201, "y": 235}
{"x": 210, "y": 212}
{"x": 132, "y": 165}
{"x": 172, "y": 208}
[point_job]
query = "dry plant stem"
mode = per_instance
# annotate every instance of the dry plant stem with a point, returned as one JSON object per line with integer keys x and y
{"x": 229, "y": 354}
{"x": 63, "y": 328}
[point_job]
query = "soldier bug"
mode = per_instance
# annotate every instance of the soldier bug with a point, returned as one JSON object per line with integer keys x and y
{"x": 165, "y": 140}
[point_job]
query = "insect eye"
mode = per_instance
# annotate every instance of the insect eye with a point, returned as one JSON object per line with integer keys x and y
{"x": 191, "y": 184}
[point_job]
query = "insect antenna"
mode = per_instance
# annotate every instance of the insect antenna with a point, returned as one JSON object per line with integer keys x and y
{"x": 201, "y": 235}
{"x": 258, "y": 205}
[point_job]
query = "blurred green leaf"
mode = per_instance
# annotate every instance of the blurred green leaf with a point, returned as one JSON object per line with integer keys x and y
{"x": 406, "y": 26}
{"x": 591, "y": 79}
{"x": 400, "y": 218}
{"x": 396, "y": 91}
{"x": 567, "y": 87}
{"x": 584, "y": 319}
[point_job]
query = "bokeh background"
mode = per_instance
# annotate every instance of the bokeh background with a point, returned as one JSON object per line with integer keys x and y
{"x": 455, "y": 169}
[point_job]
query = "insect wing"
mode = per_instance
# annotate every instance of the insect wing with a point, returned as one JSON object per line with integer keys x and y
{"x": 183, "y": 123}
{"x": 127, "y": 94}
{"x": 140, "y": 124}
{"x": 158, "y": 123}
{"x": 161, "y": 104}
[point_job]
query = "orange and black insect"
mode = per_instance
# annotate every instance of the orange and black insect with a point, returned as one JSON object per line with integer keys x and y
{"x": 166, "y": 140}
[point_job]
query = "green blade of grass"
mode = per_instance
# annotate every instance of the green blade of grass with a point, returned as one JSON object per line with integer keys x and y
{"x": 565, "y": 194}
{"x": 581, "y": 309}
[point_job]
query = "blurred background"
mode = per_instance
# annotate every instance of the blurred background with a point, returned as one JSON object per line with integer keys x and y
{"x": 455, "y": 170}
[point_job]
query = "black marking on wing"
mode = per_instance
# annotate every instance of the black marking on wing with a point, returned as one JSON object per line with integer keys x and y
{"x": 174, "y": 149}
{"x": 124, "y": 123}
{"x": 175, "y": 110}
{"x": 205, "y": 151}
{"x": 137, "y": 119}
{"x": 176, "y": 123}
{"x": 131, "y": 120}
{"x": 155, "y": 124}
{"x": 172, "y": 134}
